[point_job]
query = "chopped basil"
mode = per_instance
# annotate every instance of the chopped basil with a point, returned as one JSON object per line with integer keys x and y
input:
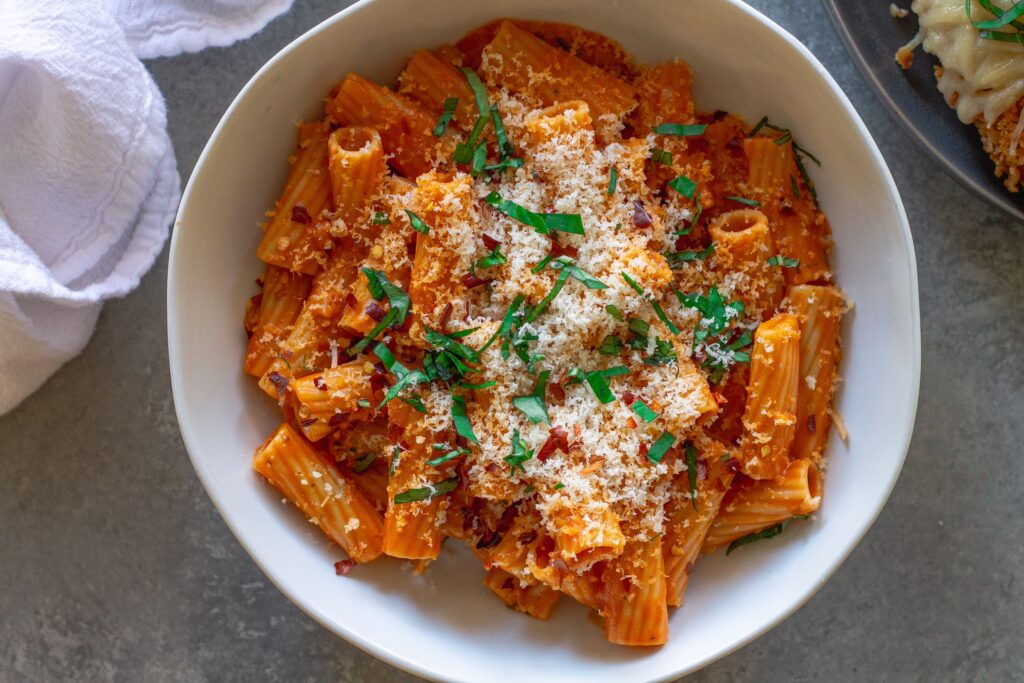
{"x": 743, "y": 200}
{"x": 654, "y": 303}
{"x": 417, "y": 223}
{"x": 464, "y": 151}
{"x": 389, "y": 318}
{"x": 450, "y": 455}
{"x": 396, "y": 455}
{"x": 362, "y": 403}
{"x": 559, "y": 486}
{"x": 504, "y": 145}
{"x": 679, "y": 129}
{"x": 760, "y": 124}
{"x": 633, "y": 283}
{"x": 506, "y": 322}
{"x": 683, "y": 186}
{"x": 664, "y": 353}
{"x": 660, "y": 156}
{"x": 638, "y": 326}
{"x": 644, "y": 411}
{"x": 717, "y": 339}
{"x": 543, "y": 263}
{"x": 479, "y": 159}
{"x": 363, "y": 463}
{"x": 481, "y": 385}
{"x": 691, "y": 471}
{"x": 520, "y": 453}
{"x": 660, "y": 447}
{"x": 446, "y": 116}
{"x": 380, "y": 287}
{"x": 770, "y": 532}
{"x": 549, "y": 297}
{"x": 492, "y": 259}
{"x": 613, "y": 179}
{"x": 427, "y": 492}
{"x": 543, "y": 223}
{"x": 725, "y": 458}
{"x": 380, "y": 218}
{"x": 535, "y": 406}
{"x": 614, "y": 312}
{"x": 566, "y": 265}
{"x": 676, "y": 259}
{"x": 784, "y": 261}
{"x": 483, "y": 105}
{"x": 800, "y": 152}
{"x": 404, "y": 375}
{"x": 610, "y": 346}
{"x": 452, "y": 346}
{"x": 415, "y": 401}
{"x": 462, "y": 424}
{"x": 598, "y": 381}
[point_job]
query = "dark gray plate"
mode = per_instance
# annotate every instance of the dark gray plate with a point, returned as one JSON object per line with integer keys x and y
{"x": 872, "y": 36}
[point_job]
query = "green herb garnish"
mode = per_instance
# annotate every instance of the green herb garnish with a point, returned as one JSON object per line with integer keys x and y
{"x": 380, "y": 218}
{"x": 534, "y": 406}
{"x": 784, "y": 261}
{"x": 660, "y": 447}
{"x": 462, "y": 424}
{"x": 450, "y": 455}
{"x": 363, "y": 463}
{"x": 770, "y": 532}
{"x": 681, "y": 129}
{"x": 691, "y": 471}
{"x": 676, "y": 259}
{"x": 446, "y": 116}
{"x": 743, "y": 200}
{"x": 614, "y": 312}
{"x": 613, "y": 179}
{"x": 610, "y": 346}
{"x": 544, "y": 223}
{"x": 683, "y": 186}
{"x": 380, "y": 287}
{"x": 660, "y": 156}
{"x": 644, "y": 411}
{"x": 427, "y": 492}
{"x": 417, "y": 223}
{"x": 520, "y": 453}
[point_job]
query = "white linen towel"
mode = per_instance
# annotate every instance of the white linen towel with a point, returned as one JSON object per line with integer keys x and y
{"x": 88, "y": 179}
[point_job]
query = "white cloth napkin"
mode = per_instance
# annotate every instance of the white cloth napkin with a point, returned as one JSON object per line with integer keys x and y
{"x": 88, "y": 179}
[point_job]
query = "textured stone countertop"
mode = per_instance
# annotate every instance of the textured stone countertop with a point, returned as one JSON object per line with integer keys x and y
{"x": 115, "y": 566}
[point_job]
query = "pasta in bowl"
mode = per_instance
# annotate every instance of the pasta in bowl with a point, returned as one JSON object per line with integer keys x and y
{"x": 534, "y": 299}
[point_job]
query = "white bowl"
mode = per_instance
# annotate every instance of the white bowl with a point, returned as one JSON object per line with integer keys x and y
{"x": 446, "y": 625}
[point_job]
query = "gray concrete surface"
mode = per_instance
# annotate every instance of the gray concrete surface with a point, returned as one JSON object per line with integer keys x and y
{"x": 114, "y": 565}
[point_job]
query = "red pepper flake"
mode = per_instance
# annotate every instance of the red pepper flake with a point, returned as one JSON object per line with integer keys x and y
{"x": 281, "y": 382}
{"x": 488, "y": 540}
{"x": 446, "y": 315}
{"x": 320, "y": 384}
{"x": 472, "y": 280}
{"x": 568, "y": 250}
{"x": 343, "y": 567}
{"x": 720, "y": 399}
{"x": 630, "y": 422}
{"x": 528, "y": 538}
{"x": 374, "y": 311}
{"x": 300, "y": 214}
{"x": 489, "y": 241}
{"x": 508, "y": 516}
{"x": 698, "y": 145}
{"x": 641, "y": 218}
{"x": 335, "y": 420}
{"x": 557, "y": 393}
{"x": 811, "y": 424}
{"x": 509, "y": 584}
{"x": 643, "y": 450}
{"x": 558, "y": 439}
{"x": 628, "y": 397}
{"x": 350, "y": 300}
{"x": 378, "y": 382}
{"x": 719, "y": 115}
{"x": 492, "y": 468}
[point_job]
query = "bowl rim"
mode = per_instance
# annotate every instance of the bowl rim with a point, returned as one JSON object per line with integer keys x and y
{"x": 382, "y": 650}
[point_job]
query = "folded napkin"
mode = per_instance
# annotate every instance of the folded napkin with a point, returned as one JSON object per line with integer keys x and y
{"x": 88, "y": 179}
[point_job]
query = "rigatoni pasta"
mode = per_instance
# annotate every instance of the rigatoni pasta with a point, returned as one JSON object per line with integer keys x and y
{"x": 545, "y": 305}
